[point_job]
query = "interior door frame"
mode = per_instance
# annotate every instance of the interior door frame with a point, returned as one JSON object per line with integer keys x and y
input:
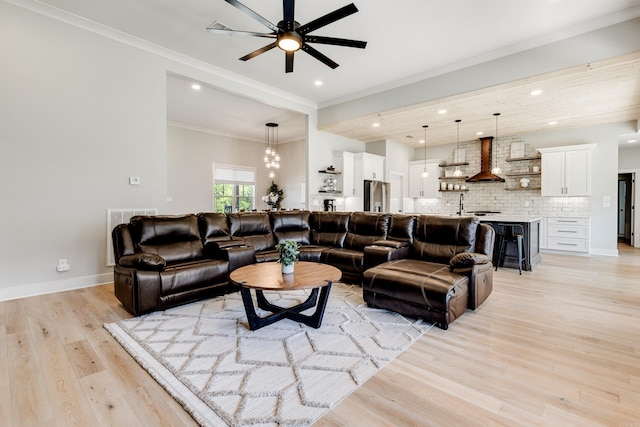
{"x": 635, "y": 198}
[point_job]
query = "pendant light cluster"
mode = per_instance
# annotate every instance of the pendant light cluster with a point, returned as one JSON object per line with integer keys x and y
{"x": 425, "y": 174}
{"x": 496, "y": 169}
{"x": 271, "y": 155}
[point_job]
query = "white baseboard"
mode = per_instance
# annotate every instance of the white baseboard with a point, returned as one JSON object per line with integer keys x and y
{"x": 24, "y": 291}
{"x": 604, "y": 252}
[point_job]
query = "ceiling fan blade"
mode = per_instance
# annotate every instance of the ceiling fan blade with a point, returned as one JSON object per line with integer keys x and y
{"x": 288, "y": 7}
{"x": 289, "y": 62}
{"x": 335, "y": 41}
{"x": 253, "y": 14}
{"x": 327, "y": 19}
{"x": 241, "y": 33}
{"x": 319, "y": 56}
{"x": 258, "y": 52}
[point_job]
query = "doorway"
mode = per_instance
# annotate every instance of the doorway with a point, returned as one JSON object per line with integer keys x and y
{"x": 625, "y": 207}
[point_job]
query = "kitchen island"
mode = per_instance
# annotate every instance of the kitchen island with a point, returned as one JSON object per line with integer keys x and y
{"x": 531, "y": 227}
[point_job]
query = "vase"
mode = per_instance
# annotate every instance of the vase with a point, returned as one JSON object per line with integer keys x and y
{"x": 287, "y": 269}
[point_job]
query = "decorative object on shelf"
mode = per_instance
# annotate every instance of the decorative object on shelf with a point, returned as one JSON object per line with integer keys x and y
{"x": 536, "y": 169}
{"x": 288, "y": 255}
{"x": 331, "y": 183}
{"x": 458, "y": 156}
{"x": 524, "y": 182}
{"x": 274, "y": 196}
{"x": 271, "y": 156}
{"x": 331, "y": 169}
{"x": 425, "y": 174}
{"x": 496, "y": 170}
{"x": 443, "y": 185}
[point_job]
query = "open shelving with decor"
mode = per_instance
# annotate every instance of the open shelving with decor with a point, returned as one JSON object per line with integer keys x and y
{"x": 522, "y": 174}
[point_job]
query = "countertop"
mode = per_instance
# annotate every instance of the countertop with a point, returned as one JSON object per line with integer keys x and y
{"x": 510, "y": 218}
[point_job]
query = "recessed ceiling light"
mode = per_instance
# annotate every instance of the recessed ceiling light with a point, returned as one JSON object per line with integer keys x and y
{"x": 318, "y": 83}
{"x": 376, "y": 125}
{"x": 195, "y": 86}
{"x": 552, "y": 123}
{"x": 443, "y": 111}
{"x": 536, "y": 92}
{"x": 631, "y": 141}
{"x": 421, "y": 141}
{"x": 479, "y": 133}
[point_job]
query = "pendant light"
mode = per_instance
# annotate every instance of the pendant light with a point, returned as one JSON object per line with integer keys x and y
{"x": 458, "y": 172}
{"x": 425, "y": 174}
{"x": 496, "y": 170}
{"x": 271, "y": 156}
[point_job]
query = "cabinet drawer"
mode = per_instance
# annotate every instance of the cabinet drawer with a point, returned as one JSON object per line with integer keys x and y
{"x": 564, "y": 231}
{"x": 563, "y": 244}
{"x": 567, "y": 221}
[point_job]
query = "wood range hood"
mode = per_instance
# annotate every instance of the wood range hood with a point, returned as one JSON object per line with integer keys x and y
{"x": 485, "y": 174}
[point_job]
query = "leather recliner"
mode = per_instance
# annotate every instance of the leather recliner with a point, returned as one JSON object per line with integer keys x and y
{"x": 448, "y": 270}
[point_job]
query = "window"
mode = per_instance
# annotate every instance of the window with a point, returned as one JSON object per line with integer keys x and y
{"x": 233, "y": 188}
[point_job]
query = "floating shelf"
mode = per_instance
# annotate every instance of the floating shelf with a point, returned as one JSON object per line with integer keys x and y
{"x": 453, "y": 177}
{"x": 448, "y": 165}
{"x": 330, "y": 192}
{"x": 520, "y": 159}
{"x": 522, "y": 173}
{"x": 454, "y": 191}
{"x": 522, "y": 188}
{"x": 331, "y": 172}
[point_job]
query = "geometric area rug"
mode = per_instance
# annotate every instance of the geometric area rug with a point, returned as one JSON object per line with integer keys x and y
{"x": 285, "y": 374}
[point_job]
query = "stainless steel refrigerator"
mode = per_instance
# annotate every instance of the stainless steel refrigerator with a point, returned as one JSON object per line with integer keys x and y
{"x": 376, "y": 196}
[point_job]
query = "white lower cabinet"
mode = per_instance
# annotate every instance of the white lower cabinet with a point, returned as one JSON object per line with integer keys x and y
{"x": 568, "y": 234}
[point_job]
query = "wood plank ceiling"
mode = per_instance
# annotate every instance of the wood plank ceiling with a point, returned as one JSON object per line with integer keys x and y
{"x": 591, "y": 94}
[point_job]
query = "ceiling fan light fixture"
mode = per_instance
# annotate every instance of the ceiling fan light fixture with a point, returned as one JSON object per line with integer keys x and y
{"x": 289, "y": 41}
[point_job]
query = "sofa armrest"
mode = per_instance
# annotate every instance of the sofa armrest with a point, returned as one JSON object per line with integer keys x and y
{"x": 468, "y": 259}
{"x": 391, "y": 244}
{"x": 143, "y": 261}
{"x": 376, "y": 255}
{"x": 239, "y": 256}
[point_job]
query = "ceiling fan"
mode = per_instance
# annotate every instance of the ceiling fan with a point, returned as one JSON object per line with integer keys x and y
{"x": 290, "y": 35}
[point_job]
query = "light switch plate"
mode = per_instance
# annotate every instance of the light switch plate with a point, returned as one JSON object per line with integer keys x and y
{"x": 134, "y": 180}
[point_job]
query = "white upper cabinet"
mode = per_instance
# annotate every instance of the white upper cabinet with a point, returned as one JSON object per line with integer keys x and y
{"x": 344, "y": 162}
{"x": 566, "y": 171}
{"x": 370, "y": 166}
{"x": 420, "y": 187}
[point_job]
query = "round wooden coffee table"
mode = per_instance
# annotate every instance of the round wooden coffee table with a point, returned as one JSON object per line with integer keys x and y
{"x": 267, "y": 276}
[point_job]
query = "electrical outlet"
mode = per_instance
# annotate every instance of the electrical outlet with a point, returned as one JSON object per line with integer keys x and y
{"x": 62, "y": 265}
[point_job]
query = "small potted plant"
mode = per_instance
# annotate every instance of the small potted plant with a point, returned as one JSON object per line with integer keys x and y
{"x": 288, "y": 250}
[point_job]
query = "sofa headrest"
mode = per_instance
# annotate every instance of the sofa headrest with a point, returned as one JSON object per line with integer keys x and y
{"x": 439, "y": 238}
{"x": 157, "y": 230}
{"x": 329, "y": 228}
{"x": 291, "y": 225}
{"x": 366, "y": 228}
{"x": 214, "y": 227}
{"x": 401, "y": 228}
{"x": 174, "y": 238}
{"x": 249, "y": 223}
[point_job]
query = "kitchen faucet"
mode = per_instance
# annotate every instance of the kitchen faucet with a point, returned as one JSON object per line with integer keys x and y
{"x": 461, "y": 205}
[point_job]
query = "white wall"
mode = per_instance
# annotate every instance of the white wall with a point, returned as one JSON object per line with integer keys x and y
{"x": 79, "y": 115}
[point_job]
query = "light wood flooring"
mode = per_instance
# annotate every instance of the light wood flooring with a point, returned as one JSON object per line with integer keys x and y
{"x": 559, "y": 346}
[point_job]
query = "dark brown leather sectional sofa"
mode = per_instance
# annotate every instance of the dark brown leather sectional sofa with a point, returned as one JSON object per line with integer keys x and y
{"x": 425, "y": 266}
